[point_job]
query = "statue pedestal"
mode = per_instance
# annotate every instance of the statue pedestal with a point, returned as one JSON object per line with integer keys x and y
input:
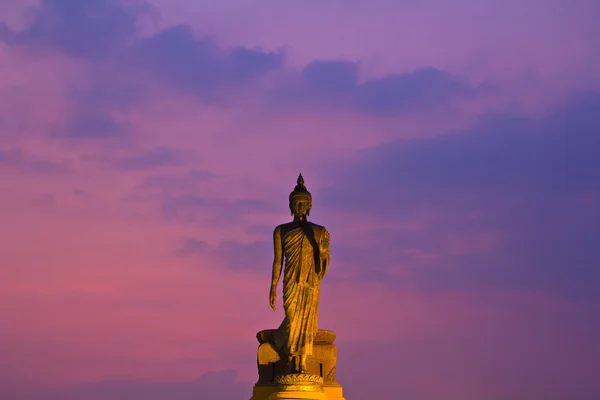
{"x": 265, "y": 391}
{"x": 321, "y": 364}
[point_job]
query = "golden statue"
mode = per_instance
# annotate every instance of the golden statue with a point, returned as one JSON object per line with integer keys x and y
{"x": 304, "y": 247}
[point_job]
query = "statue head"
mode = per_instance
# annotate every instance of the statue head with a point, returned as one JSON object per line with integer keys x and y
{"x": 300, "y": 200}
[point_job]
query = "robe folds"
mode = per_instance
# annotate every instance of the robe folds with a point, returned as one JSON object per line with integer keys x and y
{"x": 306, "y": 253}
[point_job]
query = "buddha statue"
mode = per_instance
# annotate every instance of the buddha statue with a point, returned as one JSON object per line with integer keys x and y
{"x": 302, "y": 252}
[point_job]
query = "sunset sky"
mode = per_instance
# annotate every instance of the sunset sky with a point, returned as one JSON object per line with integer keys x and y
{"x": 147, "y": 150}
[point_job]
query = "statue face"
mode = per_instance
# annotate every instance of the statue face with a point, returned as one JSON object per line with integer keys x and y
{"x": 300, "y": 206}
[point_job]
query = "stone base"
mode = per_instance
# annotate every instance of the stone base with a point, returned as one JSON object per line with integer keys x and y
{"x": 264, "y": 392}
{"x": 298, "y": 396}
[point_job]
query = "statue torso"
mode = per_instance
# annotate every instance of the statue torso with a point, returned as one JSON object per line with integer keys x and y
{"x": 300, "y": 245}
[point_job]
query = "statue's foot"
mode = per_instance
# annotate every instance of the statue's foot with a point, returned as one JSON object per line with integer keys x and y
{"x": 292, "y": 366}
{"x": 290, "y": 369}
{"x": 302, "y": 365}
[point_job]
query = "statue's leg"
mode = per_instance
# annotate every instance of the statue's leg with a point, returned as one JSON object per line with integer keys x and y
{"x": 302, "y": 366}
{"x": 296, "y": 364}
{"x": 291, "y": 364}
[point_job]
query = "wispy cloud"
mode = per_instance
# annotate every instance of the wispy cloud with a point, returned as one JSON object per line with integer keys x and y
{"x": 335, "y": 84}
{"x": 530, "y": 183}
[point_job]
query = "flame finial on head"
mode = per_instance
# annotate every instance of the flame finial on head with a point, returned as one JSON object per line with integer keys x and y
{"x": 300, "y": 189}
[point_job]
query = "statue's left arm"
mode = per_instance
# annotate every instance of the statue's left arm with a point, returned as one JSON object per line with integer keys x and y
{"x": 324, "y": 252}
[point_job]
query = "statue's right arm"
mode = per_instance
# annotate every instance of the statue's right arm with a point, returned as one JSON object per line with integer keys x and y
{"x": 278, "y": 257}
{"x": 277, "y": 265}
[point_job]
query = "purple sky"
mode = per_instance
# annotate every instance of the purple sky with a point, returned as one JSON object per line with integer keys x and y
{"x": 147, "y": 150}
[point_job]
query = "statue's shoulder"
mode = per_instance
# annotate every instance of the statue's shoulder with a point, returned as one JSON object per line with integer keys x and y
{"x": 279, "y": 229}
{"x": 318, "y": 227}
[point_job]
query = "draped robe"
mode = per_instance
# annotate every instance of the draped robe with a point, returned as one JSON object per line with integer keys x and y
{"x": 305, "y": 266}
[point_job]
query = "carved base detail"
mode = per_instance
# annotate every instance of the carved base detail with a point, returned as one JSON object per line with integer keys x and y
{"x": 299, "y": 383}
{"x": 299, "y": 387}
{"x": 294, "y": 378}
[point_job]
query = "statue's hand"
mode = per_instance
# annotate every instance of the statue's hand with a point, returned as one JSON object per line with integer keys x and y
{"x": 272, "y": 298}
